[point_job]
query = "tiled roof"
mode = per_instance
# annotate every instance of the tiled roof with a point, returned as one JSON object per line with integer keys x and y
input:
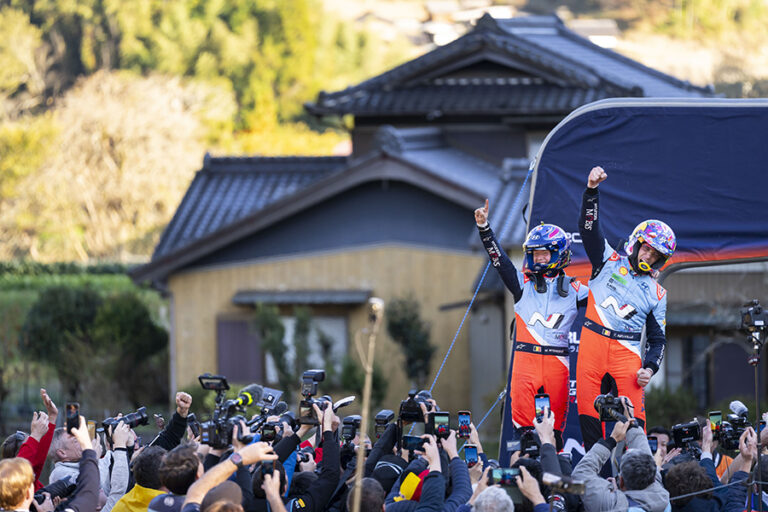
{"x": 228, "y": 189}
{"x": 229, "y": 193}
{"x": 541, "y": 67}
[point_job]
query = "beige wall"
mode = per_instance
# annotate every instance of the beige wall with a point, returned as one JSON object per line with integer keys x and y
{"x": 435, "y": 277}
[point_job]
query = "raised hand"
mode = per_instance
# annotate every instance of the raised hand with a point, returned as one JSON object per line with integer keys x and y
{"x": 596, "y": 176}
{"x": 53, "y": 411}
{"x": 481, "y": 215}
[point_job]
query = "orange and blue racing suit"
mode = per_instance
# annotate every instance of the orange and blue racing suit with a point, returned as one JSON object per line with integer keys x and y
{"x": 545, "y": 308}
{"x": 622, "y": 303}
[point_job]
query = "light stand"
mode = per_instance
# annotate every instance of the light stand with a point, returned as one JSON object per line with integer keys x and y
{"x": 754, "y": 320}
{"x": 756, "y": 339}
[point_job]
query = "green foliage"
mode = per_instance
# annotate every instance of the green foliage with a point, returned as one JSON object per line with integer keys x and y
{"x": 124, "y": 325}
{"x": 701, "y": 19}
{"x": 24, "y": 145}
{"x": 353, "y": 379}
{"x": 271, "y": 330}
{"x": 57, "y": 330}
{"x": 301, "y": 339}
{"x": 667, "y": 407}
{"x": 407, "y": 329}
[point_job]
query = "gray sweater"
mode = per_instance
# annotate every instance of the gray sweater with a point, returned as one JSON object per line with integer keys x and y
{"x": 600, "y": 494}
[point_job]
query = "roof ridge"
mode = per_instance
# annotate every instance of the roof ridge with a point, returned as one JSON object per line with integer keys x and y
{"x": 685, "y": 84}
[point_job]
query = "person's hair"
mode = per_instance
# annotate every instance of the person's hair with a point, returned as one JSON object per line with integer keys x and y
{"x": 146, "y": 467}
{"x": 686, "y": 478}
{"x": 12, "y": 445}
{"x": 301, "y": 482}
{"x": 257, "y": 480}
{"x": 16, "y": 475}
{"x": 224, "y": 506}
{"x": 638, "y": 469}
{"x": 58, "y": 442}
{"x": 658, "y": 429}
{"x": 494, "y": 499}
{"x": 372, "y": 495}
{"x": 178, "y": 469}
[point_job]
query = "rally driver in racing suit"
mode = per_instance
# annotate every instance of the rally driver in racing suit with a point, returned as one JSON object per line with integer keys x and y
{"x": 624, "y": 299}
{"x": 546, "y": 301}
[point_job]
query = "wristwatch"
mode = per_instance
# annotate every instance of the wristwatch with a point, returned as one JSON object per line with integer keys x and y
{"x": 236, "y": 459}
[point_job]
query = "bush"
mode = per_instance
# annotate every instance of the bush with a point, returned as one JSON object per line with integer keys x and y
{"x": 407, "y": 329}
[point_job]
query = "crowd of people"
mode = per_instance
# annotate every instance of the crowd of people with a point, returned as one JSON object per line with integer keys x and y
{"x": 312, "y": 467}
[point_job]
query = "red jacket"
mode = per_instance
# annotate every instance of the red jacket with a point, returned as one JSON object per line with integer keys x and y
{"x": 36, "y": 452}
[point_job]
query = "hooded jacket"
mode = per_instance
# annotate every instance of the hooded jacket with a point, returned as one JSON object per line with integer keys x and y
{"x": 600, "y": 494}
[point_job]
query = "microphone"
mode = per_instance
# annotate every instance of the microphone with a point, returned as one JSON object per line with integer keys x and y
{"x": 248, "y": 395}
{"x": 279, "y": 409}
{"x": 738, "y": 407}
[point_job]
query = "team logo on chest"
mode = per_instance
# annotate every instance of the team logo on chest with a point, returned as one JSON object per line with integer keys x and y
{"x": 553, "y": 321}
{"x": 626, "y": 311}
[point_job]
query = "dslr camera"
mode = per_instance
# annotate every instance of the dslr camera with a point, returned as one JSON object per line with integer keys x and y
{"x": 309, "y": 381}
{"x": 610, "y": 408}
{"x": 528, "y": 442}
{"x": 685, "y": 436}
{"x": 410, "y": 409}
{"x": 133, "y": 419}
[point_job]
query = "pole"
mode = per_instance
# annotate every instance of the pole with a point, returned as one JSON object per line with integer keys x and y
{"x": 375, "y": 317}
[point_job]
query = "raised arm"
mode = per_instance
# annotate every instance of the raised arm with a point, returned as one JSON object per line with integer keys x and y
{"x": 499, "y": 258}
{"x": 591, "y": 231}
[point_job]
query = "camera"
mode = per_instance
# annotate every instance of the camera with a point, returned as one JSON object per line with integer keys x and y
{"x": 58, "y": 489}
{"x": 219, "y": 430}
{"x": 753, "y": 317}
{"x": 382, "y": 419}
{"x": 563, "y": 484}
{"x": 193, "y": 424}
{"x": 134, "y": 419}
{"x": 609, "y": 408}
{"x": 685, "y": 436}
{"x": 305, "y": 454}
{"x": 269, "y": 431}
{"x": 349, "y": 427}
{"x": 309, "y": 381}
{"x": 528, "y": 442}
{"x": 410, "y": 409}
{"x": 731, "y": 430}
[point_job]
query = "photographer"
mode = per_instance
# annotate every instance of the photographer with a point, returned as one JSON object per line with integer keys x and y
{"x": 85, "y": 497}
{"x": 35, "y": 446}
{"x": 119, "y": 476}
{"x": 246, "y": 456}
{"x": 318, "y": 493}
{"x": 454, "y": 476}
{"x": 17, "y": 484}
{"x": 639, "y": 479}
{"x": 170, "y": 437}
{"x": 145, "y": 469}
{"x": 693, "y": 477}
{"x": 179, "y": 469}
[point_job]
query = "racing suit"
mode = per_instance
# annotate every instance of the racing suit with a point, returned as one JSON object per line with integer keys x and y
{"x": 540, "y": 362}
{"x": 621, "y": 304}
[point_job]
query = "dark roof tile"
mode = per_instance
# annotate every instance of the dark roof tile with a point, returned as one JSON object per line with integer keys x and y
{"x": 229, "y": 189}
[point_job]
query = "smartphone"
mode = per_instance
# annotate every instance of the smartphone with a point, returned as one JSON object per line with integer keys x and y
{"x": 653, "y": 442}
{"x": 411, "y": 443}
{"x": 470, "y": 454}
{"x": 715, "y": 420}
{"x": 73, "y": 416}
{"x": 438, "y": 424}
{"x": 761, "y": 426}
{"x": 465, "y": 418}
{"x": 541, "y": 401}
{"x": 504, "y": 477}
{"x": 91, "y": 429}
{"x": 513, "y": 446}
